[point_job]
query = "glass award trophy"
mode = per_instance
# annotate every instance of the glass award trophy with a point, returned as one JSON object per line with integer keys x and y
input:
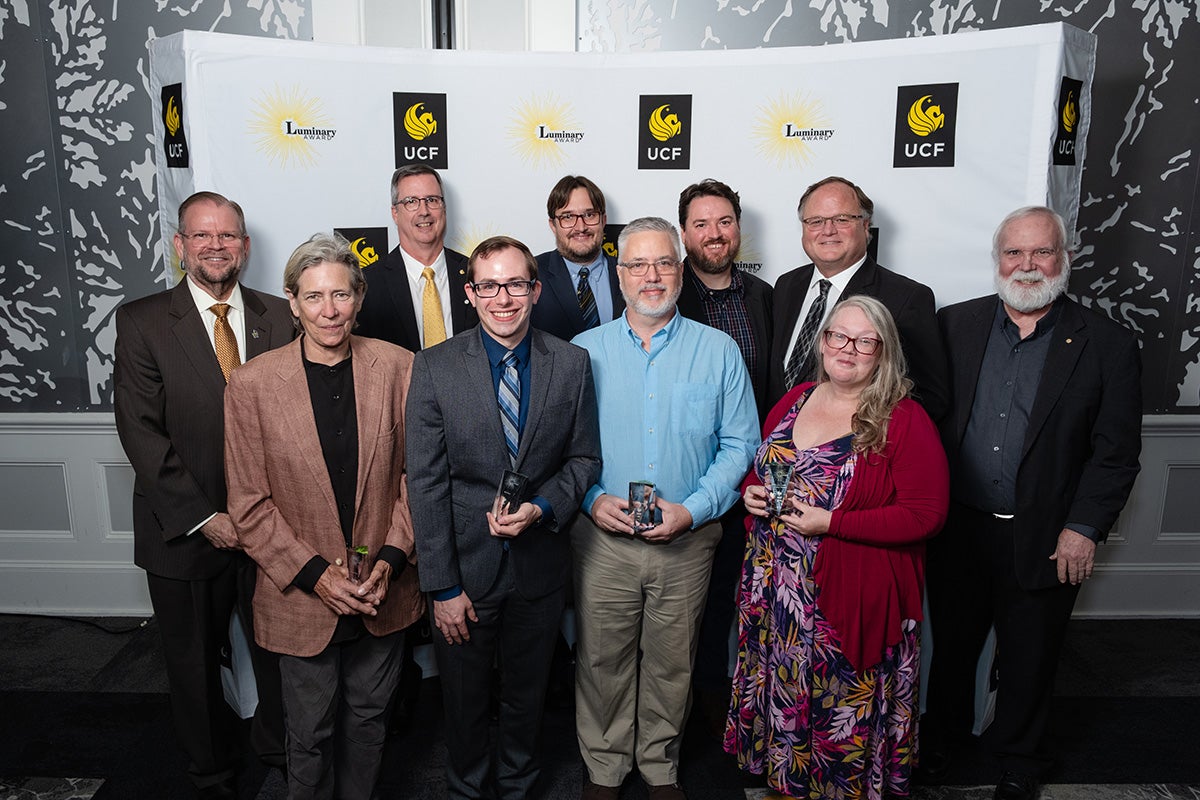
{"x": 779, "y": 476}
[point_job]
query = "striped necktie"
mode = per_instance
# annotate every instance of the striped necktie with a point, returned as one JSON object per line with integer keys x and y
{"x": 587, "y": 300}
{"x": 509, "y": 395}
{"x": 802, "y": 363}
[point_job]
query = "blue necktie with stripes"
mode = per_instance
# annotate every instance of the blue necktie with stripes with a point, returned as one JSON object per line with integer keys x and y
{"x": 509, "y": 396}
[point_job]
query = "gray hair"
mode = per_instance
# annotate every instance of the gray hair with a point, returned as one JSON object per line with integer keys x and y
{"x": 323, "y": 248}
{"x": 650, "y": 225}
{"x": 1060, "y": 228}
{"x": 409, "y": 170}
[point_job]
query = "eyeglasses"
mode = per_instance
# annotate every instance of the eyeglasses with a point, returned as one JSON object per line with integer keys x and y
{"x": 514, "y": 288}
{"x": 1040, "y": 254}
{"x": 863, "y": 345}
{"x": 570, "y": 220}
{"x": 433, "y": 202}
{"x": 638, "y": 268}
{"x": 839, "y": 221}
{"x": 204, "y": 239}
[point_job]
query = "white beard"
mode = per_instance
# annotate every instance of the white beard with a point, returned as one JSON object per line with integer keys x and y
{"x": 1029, "y": 291}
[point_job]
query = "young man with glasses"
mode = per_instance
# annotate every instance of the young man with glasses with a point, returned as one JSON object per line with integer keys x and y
{"x": 498, "y": 399}
{"x": 835, "y": 218}
{"x": 417, "y": 296}
{"x": 579, "y": 278}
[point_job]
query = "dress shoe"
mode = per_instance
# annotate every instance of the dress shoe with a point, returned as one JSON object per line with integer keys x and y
{"x": 934, "y": 765}
{"x": 594, "y": 791}
{"x": 666, "y": 791}
{"x": 1015, "y": 786}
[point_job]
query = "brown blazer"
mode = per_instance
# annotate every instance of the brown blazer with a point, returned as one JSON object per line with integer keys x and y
{"x": 281, "y": 500}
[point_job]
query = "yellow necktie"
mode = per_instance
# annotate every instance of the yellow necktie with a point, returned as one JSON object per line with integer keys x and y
{"x": 431, "y": 312}
{"x": 226, "y": 342}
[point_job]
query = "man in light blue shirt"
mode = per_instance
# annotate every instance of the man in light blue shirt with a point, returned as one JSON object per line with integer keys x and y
{"x": 676, "y": 409}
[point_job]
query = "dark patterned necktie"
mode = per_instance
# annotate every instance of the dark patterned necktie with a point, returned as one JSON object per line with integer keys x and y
{"x": 587, "y": 300}
{"x": 800, "y": 366}
{"x": 509, "y": 395}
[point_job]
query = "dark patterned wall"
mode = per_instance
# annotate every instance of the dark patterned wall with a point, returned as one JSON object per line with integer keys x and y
{"x": 1140, "y": 257}
{"x": 78, "y": 211}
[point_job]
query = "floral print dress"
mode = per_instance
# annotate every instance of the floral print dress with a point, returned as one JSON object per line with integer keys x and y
{"x": 799, "y": 712}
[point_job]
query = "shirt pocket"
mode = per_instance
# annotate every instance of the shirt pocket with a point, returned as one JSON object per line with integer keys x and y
{"x": 694, "y": 409}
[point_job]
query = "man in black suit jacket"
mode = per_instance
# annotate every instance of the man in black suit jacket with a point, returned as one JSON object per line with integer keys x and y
{"x": 716, "y": 292}
{"x": 497, "y": 575}
{"x": 168, "y": 396}
{"x": 577, "y": 218}
{"x": 835, "y": 216}
{"x": 419, "y": 273}
{"x": 1043, "y": 440}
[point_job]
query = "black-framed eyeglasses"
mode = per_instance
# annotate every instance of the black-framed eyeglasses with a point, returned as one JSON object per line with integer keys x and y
{"x": 514, "y": 288}
{"x": 638, "y": 268}
{"x": 569, "y": 220}
{"x": 204, "y": 239}
{"x": 838, "y": 220}
{"x": 863, "y": 345}
{"x": 433, "y": 202}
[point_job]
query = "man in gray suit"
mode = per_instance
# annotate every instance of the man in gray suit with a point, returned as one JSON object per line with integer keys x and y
{"x": 499, "y": 397}
{"x": 174, "y": 352}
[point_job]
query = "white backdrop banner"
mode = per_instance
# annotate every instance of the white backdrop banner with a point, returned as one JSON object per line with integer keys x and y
{"x": 946, "y": 134}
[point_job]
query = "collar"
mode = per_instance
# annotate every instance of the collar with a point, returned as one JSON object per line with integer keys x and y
{"x": 842, "y": 279}
{"x": 204, "y": 301}
{"x": 736, "y": 284}
{"x": 495, "y": 351}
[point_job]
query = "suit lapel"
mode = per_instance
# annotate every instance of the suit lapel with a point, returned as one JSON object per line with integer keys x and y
{"x": 1067, "y": 341}
{"x": 479, "y": 374}
{"x": 558, "y": 281}
{"x": 401, "y": 294}
{"x": 614, "y": 285}
{"x": 793, "y": 301}
{"x": 188, "y": 329}
{"x": 369, "y": 388}
{"x": 258, "y": 328}
{"x": 861, "y": 281}
{"x": 462, "y": 313}
{"x": 541, "y": 377}
{"x": 294, "y": 406}
{"x": 971, "y": 343}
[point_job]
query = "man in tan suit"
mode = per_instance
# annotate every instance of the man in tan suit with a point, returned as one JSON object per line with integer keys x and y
{"x": 330, "y": 406}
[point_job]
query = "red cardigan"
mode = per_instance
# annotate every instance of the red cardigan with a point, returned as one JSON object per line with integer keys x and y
{"x": 870, "y": 569}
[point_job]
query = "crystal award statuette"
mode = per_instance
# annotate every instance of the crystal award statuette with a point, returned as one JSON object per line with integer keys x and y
{"x": 510, "y": 494}
{"x": 779, "y": 476}
{"x": 642, "y": 504}
{"x": 358, "y": 563}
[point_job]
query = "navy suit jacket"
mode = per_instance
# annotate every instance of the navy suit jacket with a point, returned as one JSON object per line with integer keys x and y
{"x": 912, "y": 307}
{"x": 758, "y": 295}
{"x": 168, "y": 395}
{"x": 457, "y": 455}
{"x": 1081, "y": 449}
{"x": 557, "y": 310}
{"x": 387, "y": 310}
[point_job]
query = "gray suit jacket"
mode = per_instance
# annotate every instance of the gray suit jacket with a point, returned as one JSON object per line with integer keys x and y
{"x": 169, "y": 400}
{"x": 457, "y": 455}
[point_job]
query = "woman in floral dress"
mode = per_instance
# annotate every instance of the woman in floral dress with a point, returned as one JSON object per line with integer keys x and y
{"x": 829, "y": 608}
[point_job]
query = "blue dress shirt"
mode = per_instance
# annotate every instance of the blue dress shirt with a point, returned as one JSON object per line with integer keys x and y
{"x": 682, "y": 415}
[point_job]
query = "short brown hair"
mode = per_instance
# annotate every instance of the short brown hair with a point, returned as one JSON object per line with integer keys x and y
{"x": 489, "y": 247}
{"x": 864, "y": 202}
{"x": 560, "y": 195}
{"x": 216, "y": 199}
{"x": 709, "y": 187}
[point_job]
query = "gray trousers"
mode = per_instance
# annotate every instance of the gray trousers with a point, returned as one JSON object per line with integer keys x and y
{"x": 335, "y": 713}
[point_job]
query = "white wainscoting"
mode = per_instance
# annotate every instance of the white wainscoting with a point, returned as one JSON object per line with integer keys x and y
{"x": 66, "y": 544}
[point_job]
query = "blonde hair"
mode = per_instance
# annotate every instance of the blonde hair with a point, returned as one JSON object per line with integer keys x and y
{"x": 889, "y": 382}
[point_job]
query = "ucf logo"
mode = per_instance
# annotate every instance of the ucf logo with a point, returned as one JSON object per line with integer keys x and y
{"x": 925, "y": 125}
{"x": 664, "y": 131}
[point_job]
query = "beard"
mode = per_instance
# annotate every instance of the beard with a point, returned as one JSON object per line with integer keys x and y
{"x": 581, "y": 250}
{"x": 666, "y": 306}
{"x": 1030, "y": 291}
{"x": 700, "y": 259}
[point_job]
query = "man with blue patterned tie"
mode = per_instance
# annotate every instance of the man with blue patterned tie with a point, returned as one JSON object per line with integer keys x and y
{"x": 579, "y": 279}
{"x": 498, "y": 397}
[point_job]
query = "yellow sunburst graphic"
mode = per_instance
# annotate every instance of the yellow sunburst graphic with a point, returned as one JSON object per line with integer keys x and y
{"x": 778, "y": 127}
{"x": 663, "y": 124}
{"x": 531, "y": 120}
{"x": 466, "y": 241}
{"x": 1070, "y": 113}
{"x": 748, "y": 258}
{"x": 364, "y": 252}
{"x": 924, "y": 120}
{"x": 171, "y": 117}
{"x": 279, "y": 110}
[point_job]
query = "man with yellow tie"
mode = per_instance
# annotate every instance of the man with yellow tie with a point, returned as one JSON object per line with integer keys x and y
{"x": 417, "y": 297}
{"x": 174, "y": 353}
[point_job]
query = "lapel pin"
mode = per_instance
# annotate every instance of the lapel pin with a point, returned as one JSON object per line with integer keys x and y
{"x": 254, "y": 333}
{"x": 1068, "y": 341}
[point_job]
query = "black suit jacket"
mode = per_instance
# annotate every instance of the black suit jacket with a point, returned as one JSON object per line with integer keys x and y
{"x": 169, "y": 401}
{"x": 387, "y": 310}
{"x": 1081, "y": 447}
{"x": 758, "y": 296}
{"x": 457, "y": 455}
{"x": 557, "y": 310}
{"x": 912, "y": 307}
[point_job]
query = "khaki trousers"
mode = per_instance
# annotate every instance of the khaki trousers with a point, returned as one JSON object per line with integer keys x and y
{"x": 631, "y": 596}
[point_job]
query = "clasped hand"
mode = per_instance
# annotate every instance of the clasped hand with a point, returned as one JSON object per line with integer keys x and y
{"x": 802, "y": 518}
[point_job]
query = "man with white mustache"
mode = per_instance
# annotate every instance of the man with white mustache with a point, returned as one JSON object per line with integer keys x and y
{"x": 676, "y": 410}
{"x": 1043, "y": 438}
